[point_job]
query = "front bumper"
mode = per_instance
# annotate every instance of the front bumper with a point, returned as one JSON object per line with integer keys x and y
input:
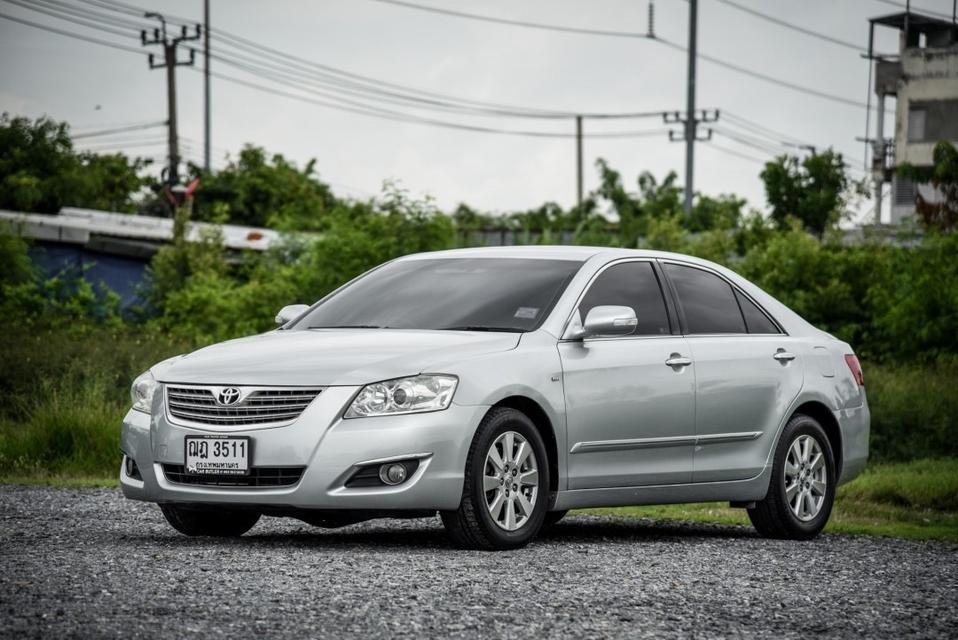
{"x": 330, "y": 449}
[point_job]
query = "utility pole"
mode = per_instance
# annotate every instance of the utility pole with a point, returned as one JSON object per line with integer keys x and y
{"x": 160, "y": 37}
{"x": 690, "y": 122}
{"x": 206, "y": 86}
{"x": 692, "y": 118}
{"x": 578, "y": 149}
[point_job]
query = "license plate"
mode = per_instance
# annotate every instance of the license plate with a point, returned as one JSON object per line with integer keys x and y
{"x": 217, "y": 455}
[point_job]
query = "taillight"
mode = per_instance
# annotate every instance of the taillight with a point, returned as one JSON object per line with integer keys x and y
{"x": 856, "y": 368}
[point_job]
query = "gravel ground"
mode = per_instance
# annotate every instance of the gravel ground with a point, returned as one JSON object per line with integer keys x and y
{"x": 87, "y": 563}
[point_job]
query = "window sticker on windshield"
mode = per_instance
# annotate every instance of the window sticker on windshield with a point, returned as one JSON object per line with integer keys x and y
{"x": 528, "y": 313}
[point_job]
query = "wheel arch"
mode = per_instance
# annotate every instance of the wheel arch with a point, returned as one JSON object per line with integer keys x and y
{"x": 820, "y": 412}
{"x": 543, "y": 423}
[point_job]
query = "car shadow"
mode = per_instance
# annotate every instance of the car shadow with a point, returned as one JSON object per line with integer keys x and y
{"x": 427, "y": 534}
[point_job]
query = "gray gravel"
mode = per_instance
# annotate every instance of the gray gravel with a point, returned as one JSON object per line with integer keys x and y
{"x": 87, "y": 563}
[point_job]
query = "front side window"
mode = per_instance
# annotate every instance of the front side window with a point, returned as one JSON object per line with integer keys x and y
{"x": 707, "y": 301}
{"x": 469, "y": 294}
{"x": 630, "y": 284}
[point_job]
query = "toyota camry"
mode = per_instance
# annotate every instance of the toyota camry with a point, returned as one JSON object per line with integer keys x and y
{"x": 501, "y": 387}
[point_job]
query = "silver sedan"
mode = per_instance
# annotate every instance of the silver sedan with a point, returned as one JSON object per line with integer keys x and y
{"x": 502, "y": 387}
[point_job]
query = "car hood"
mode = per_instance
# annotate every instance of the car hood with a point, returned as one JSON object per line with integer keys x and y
{"x": 328, "y": 357}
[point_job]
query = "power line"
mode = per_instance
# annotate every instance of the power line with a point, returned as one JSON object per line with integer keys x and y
{"x": 793, "y": 27}
{"x": 733, "y": 152}
{"x": 901, "y": 5}
{"x": 67, "y": 18}
{"x": 123, "y": 129}
{"x": 517, "y": 23}
{"x": 635, "y": 35}
{"x": 767, "y": 78}
{"x": 70, "y": 34}
{"x": 365, "y": 83}
{"x": 271, "y": 71}
{"x": 364, "y": 110}
{"x": 753, "y": 126}
{"x": 410, "y": 118}
{"x": 749, "y": 141}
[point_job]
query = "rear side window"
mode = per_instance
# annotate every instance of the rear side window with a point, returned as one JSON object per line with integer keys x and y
{"x": 707, "y": 300}
{"x": 755, "y": 319}
{"x": 630, "y": 284}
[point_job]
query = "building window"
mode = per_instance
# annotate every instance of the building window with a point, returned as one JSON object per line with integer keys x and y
{"x": 916, "y": 124}
{"x": 933, "y": 120}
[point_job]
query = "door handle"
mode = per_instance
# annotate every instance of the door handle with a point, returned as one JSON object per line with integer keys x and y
{"x": 783, "y": 356}
{"x": 678, "y": 360}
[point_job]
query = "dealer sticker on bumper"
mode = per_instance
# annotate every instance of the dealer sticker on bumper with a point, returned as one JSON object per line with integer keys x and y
{"x": 219, "y": 455}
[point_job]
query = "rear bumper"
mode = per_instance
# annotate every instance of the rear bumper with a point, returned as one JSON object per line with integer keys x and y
{"x": 855, "y": 424}
{"x": 329, "y": 448}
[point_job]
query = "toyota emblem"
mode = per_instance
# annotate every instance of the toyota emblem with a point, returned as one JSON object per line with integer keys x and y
{"x": 229, "y": 395}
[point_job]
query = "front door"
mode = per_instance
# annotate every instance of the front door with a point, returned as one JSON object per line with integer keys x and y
{"x": 630, "y": 415}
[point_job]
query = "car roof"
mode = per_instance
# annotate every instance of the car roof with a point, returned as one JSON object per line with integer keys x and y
{"x": 545, "y": 252}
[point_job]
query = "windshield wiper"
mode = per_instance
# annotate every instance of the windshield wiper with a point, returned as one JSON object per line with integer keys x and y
{"x": 480, "y": 327}
{"x": 350, "y": 326}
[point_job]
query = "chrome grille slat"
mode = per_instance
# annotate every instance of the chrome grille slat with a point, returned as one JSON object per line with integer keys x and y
{"x": 199, "y": 405}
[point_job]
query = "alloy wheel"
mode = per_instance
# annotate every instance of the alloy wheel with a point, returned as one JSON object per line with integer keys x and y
{"x": 806, "y": 479}
{"x": 510, "y": 480}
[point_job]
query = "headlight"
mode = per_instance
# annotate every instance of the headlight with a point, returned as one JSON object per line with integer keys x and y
{"x": 415, "y": 394}
{"x": 142, "y": 392}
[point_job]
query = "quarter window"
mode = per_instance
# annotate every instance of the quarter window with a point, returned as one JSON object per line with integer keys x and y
{"x": 707, "y": 300}
{"x": 635, "y": 285}
{"x": 755, "y": 319}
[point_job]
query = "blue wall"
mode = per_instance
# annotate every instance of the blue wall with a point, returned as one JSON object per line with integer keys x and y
{"x": 121, "y": 274}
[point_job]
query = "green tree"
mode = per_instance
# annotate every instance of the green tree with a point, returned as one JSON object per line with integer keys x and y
{"x": 815, "y": 190}
{"x": 940, "y": 213}
{"x": 654, "y": 201}
{"x": 264, "y": 190}
{"x": 111, "y": 182}
{"x": 37, "y": 164}
{"x": 708, "y": 213}
{"x": 41, "y": 172}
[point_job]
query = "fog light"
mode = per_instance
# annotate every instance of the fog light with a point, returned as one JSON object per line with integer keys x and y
{"x": 394, "y": 473}
{"x": 131, "y": 469}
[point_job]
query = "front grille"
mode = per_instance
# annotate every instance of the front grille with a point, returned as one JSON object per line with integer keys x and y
{"x": 258, "y": 477}
{"x": 260, "y": 406}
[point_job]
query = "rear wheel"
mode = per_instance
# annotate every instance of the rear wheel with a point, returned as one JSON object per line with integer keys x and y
{"x": 506, "y": 485}
{"x": 802, "y": 488}
{"x": 192, "y": 521}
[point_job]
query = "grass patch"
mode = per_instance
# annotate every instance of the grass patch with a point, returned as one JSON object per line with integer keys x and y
{"x": 914, "y": 500}
{"x": 61, "y": 481}
{"x": 914, "y": 410}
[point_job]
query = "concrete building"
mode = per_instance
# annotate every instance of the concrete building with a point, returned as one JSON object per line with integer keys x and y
{"x": 922, "y": 77}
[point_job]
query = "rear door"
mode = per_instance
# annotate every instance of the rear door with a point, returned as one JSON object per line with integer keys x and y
{"x": 747, "y": 373}
{"x": 630, "y": 415}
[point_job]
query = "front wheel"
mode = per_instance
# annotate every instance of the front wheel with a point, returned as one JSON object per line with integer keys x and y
{"x": 802, "y": 488}
{"x": 506, "y": 485}
{"x": 191, "y": 521}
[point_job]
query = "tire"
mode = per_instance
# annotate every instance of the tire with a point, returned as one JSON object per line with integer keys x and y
{"x": 474, "y": 525}
{"x": 785, "y": 513}
{"x": 552, "y": 518}
{"x": 191, "y": 521}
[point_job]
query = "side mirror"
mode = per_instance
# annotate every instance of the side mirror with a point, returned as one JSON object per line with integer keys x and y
{"x": 290, "y": 312}
{"x": 606, "y": 320}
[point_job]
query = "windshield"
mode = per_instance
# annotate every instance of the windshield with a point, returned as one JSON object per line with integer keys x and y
{"x": 469, "y": 294}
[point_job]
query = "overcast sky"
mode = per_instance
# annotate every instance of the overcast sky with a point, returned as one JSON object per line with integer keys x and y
{"x": 91, "y": 86}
